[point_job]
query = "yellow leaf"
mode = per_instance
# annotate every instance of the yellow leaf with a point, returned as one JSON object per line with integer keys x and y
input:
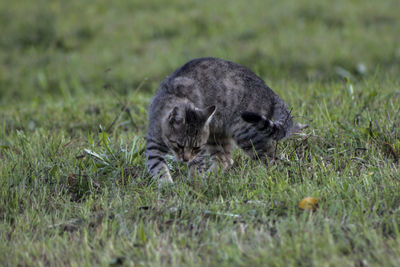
{"x": 309, "y": 203}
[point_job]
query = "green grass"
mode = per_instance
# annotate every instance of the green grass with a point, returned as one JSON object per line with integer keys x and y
{"x": 73, "y": 184}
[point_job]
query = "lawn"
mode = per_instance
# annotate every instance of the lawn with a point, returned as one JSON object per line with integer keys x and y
{"x": 76, "y": 78}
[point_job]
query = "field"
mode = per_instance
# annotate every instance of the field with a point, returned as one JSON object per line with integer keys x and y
{"x": 76, "y": 78}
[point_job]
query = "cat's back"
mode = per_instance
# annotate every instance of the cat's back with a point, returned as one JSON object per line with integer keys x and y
{"x": 202, "y": 69}
{"x": 228, "y": 85}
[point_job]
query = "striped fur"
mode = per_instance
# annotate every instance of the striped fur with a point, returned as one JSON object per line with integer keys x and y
{"x": 156, "y": 165}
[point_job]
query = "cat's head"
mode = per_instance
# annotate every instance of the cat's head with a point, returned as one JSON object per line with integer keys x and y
{"x": 185, "y": 130}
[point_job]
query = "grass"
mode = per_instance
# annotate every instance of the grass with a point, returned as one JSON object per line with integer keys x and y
{"x": 73, "y": 186}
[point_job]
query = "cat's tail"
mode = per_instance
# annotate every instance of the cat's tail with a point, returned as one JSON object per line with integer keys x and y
{"x": 280, "y": 128}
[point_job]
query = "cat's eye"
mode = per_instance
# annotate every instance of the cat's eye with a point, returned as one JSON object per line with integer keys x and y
{"x": 177, "y": 145}
{"x": 180, "y": 146}
{"x": 196, "y": 149}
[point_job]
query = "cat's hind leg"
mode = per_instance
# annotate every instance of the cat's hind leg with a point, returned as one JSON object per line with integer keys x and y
{"x": 255, "y": 144}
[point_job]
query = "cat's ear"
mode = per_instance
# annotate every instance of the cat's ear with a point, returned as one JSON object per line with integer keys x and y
{"x": 209, "y": 112}
{"x": 174, "y": 118}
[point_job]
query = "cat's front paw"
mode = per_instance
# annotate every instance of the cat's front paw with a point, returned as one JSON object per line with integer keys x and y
{"x": 223, "y": 163}
{"x": 192, "y": 174}
{"x": 164, "y": 181}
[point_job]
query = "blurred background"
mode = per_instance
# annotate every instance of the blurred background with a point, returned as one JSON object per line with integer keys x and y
{"x": 76, "y": 78}
{"x": 61, "y": 49}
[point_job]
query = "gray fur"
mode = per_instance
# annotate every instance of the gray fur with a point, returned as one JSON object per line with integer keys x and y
{"x": 206, "y": 106}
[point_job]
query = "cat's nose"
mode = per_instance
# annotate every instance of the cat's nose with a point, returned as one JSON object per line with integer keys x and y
{"x": 186, "y": 157}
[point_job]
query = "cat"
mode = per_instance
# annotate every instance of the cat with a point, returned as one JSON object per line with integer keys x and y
{"x": 206, "y": 106}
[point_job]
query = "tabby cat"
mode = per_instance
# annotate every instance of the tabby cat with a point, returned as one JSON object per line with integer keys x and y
{"x": 206, "y": 106}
